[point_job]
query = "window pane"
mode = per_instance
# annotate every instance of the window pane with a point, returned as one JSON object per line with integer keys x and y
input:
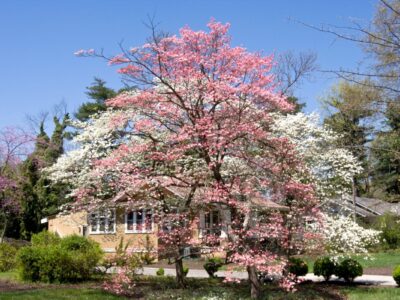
{"x": 207, "y": 219}
{"x": 148, "y": 220}
{"x": 93, "y": 222}
{"x": 129, "y": 220}
{"x": 102, "y": 221}
{"x": 139, "y": 220}
{"x": 110, "y": 219}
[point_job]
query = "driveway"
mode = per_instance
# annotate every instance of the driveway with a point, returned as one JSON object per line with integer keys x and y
{"x": 380, "y": 280}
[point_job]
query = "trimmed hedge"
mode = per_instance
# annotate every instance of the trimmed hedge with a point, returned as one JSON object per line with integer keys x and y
{"x": 297, "y": 266}
{"x": 212, "y": 266}
{"x": 396, "y": 275}
{"x": 325, "y": 266}
{"x": 52, "y": 259}
{"x": 185, "y": 271}
{"x": 160, "y": 272}
{"x": 349, "y": 269}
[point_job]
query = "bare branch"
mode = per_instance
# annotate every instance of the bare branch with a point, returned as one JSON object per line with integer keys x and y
{"x": 291, "y": 70}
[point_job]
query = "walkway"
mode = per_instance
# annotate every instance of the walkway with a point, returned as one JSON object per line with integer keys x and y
{"x": 365, "y": 279}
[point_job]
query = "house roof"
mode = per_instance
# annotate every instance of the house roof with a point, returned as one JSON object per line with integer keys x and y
{"x": 266, "y": 203}
{"x": 366, "y": 207}
{"x": 182, "y": 192}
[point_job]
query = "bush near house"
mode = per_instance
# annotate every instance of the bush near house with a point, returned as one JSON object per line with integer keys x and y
{"x": 52, "y": 259}
{"x": 389, "y": 224}
{"x": 7, "y": 257}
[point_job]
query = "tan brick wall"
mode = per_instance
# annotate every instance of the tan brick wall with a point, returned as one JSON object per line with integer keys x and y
{"x": 72, "y": 224}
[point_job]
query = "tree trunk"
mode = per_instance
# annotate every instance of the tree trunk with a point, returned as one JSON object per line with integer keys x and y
{"x": 353, "y": 185}
{"x": 3, "y": 231}
{"x": 180, "y": 277}
{"x": 255, "y": 285}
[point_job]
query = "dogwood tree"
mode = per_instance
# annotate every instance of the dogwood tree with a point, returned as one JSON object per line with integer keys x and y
{"x": 201, "y": 120}
{"x": 97, "y": 140}
{"x": 331, "y": 168}
{"x": 342, "y": 236}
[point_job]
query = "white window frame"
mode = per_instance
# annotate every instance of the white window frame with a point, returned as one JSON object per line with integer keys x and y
{"x": 106, "y": 231}
{"x": 210, "y": 225}
{"x": 144, "y": 212}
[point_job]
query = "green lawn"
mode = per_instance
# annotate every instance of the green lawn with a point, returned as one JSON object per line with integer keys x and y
{"x": 163, "y": 288}
{"x": 59, "y": 294}
{"x": 9, "y": 276}
{"x": 388, "y": 259}
{"x": 362, "y": 293}
{"x": 306, "y": 292}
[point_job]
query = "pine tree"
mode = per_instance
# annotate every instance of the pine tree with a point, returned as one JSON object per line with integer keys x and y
{"x": 99, "y": 93}
{"x": 40, "y": 198}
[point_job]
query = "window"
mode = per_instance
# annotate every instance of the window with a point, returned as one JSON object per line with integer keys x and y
{"x": 102, "y": 221}
{"x": 212, "y": 222}
{"x": 139, "y": 221}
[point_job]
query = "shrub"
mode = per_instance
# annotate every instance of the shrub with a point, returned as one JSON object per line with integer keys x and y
{"x": 390, "y": 226}
{"x": 212, "y": 265}
{"x": 349, "y": 269}
{"x": 396, "y": 275}
{"x": 325, "y": 266}
{"x": 160, "y": 272}
{"x": 45, "y": 238}
{"x": 297, "y": 266}
{"x": 146, "y": 256}
{"x": 185, "y": 271}
{"x": 71, "y": 259}
{"x": 7, "y": 257}
{"x": 122, "y": 258}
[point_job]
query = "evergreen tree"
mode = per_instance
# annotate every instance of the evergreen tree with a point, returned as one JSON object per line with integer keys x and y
{"x": 386, "y": 153}
{"x": 99, "y": 93}
{"x": 30, "y": 175}
{"x": 352, "y": 106}
{"x": 40, "y": 198}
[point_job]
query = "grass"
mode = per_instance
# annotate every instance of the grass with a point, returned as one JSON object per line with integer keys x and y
{"x": 163, "y": 288}
{"x": 384, "y": 259}
{"x": 371, "y": 293}
{"x": 62, "y": 293}
{"x": 9, "y": 276}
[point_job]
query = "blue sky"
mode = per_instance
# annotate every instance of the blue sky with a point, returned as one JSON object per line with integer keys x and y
{"x": 38, "y": 39}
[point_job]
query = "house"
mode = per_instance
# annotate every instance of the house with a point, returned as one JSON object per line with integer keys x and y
{"x": 364, "y": 207}
{"x": 136, "y": 225}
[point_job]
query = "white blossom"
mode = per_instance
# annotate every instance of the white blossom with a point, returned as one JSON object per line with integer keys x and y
{"x": 344, "y": 236}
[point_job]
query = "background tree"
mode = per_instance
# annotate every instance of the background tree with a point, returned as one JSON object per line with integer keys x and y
{"x": 380, "y": 39}
{"x": 38, "y": 197}
{"x": 291, "y": 70}
{"x": 14, "y": 147}
{"x": 351, "y": 106}
{"x": 98, "y": 92}
{"x": 386, "y": 157}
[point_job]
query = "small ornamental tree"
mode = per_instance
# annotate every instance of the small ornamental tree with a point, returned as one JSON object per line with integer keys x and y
{"x": 201, "y": 120}
{"x": 14, "y": 146}
{"x": 203, "y": 116}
